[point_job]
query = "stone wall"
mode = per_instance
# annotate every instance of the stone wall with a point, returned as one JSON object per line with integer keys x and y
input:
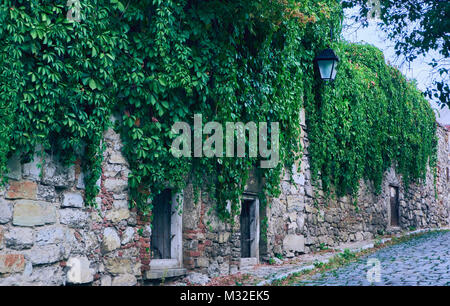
{"x": 49, "y": 237}
{"x": 301, "y": 220}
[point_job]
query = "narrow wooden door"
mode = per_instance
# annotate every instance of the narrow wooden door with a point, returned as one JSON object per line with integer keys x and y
{"x": 160, "y": 240}
{"x": 394, "y": 206}
{"x": 246, "y": 235}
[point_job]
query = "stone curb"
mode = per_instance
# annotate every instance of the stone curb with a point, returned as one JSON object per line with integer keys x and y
{"x": 341, "y": 249}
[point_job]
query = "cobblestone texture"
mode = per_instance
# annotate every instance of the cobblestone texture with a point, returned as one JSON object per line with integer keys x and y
{"x": 421, "y": 261}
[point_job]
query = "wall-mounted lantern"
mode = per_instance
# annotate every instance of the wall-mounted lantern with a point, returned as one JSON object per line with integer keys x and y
{"x": 326, "y": 62}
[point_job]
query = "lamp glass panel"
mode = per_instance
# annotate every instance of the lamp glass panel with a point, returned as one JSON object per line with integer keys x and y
{"x": 325, "y": 67}
{"x": 333, "y": 75}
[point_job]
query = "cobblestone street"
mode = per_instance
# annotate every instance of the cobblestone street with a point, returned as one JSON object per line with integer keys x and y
{"x": 423, "y": 260}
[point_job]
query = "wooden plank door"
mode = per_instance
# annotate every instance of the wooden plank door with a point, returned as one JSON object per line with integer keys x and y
{"x": 245, "y": 221}
{"x": 161, "y": 225}
{"x": 394, "y": 201}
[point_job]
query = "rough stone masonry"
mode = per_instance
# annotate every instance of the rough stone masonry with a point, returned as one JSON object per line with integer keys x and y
{"x": 49, "y": 237}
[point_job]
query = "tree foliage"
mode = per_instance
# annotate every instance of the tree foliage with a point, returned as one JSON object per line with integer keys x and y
{"x": 417, "y": 27}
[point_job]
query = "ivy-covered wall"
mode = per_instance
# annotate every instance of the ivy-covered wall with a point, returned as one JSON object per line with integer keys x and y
{"x": 151, "y": 63}
{"x": 48, "y": 236}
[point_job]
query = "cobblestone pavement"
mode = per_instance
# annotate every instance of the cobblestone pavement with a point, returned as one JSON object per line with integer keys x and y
{"x": 421, "y": 261}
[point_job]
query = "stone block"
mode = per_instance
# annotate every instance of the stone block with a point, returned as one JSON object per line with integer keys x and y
{"x": 120, "y": 204}
{"x": 294, "y": 243}
{"x": 80, "y": 271}
{"x": 202, "y": 262}
{"x": 22, "y": 190}
{"x": 116, "y": 185}
{"x": 32, "y": 170}
{"x": 14, "y": 168}
{"x": 124, "y": 280}
{"x": 31, "y": 213}
{"x": 106, "y": 281}
{"x": 50, "y": 235}
{"x": 46, "y": 193}
{"x": 224, "y": 268}
{"x": 118, "y": 215}
{"x": 73, "y": 217}
{"x": 57, "y": 174}
{"x": 295, "y": 203}
{"x": 6, "y": 211}
{"x": 19, "y": 238}
{"x": 160, "y": 274}
{"x": 111, "y": 136}
{"x": 40, "y": 255}
{"x": 12, "y": 263}
{"x": 300, "y": 222}
{"x": 299, "y": 179}
{"x": 224, "y": 237}
{"x": 117, "y": 158}
{"x": 127, "y": 235}
{"x": 111, "y": 240}
{"x": 72, "y": 199}
{"x": 198, "y": 279}
{"x": 117, "y": 266}
{"x": 302, "y": 117}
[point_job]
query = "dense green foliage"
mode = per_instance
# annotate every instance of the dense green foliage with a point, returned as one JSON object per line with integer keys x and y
{"x": 152, "y": 63}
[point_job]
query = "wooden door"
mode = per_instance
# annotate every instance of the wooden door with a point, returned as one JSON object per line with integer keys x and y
{"x": 161, "y": 225}
{"x": 246, "y": 235}
{"x": 394, "y": 200}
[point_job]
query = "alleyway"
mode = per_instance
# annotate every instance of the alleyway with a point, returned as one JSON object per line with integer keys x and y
{"x": 423, "y": 260}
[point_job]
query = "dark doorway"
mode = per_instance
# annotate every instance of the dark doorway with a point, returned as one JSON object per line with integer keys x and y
{"x": 160, "y": 240}
{"x": 248, "y": 228}
{"x": 394, "y": 206}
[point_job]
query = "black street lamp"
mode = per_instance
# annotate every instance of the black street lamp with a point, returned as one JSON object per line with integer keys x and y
{"x": 326, "y": 62}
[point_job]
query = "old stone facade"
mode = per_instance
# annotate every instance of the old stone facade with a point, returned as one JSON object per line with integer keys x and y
{"x": 49, "y": 237}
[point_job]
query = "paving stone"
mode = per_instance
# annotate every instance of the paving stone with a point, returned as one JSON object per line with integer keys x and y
{"x": 420, "y": 261}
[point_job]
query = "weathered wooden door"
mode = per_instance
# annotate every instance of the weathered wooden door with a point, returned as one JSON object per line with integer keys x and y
{"x": 160, "y": 240}
{"x": 249, "y": 229}
{"x": 246, "y": 235}
{"x": 394, "y": 200}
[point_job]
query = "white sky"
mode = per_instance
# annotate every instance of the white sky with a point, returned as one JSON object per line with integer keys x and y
{"x": 419, "y": 69}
